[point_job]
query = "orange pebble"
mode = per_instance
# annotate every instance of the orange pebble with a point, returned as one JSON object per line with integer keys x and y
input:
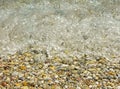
{"x": 23, "y": 67}
{"x": 25, "y": 83}
{"x": 4, "y": 84}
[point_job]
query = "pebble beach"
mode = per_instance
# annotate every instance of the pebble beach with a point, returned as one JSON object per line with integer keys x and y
{"x": 59, "y": 44}
{"x": 25, "y": 71}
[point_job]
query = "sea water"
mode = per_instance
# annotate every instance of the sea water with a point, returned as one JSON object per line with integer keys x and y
{"x": 80, "y": 26}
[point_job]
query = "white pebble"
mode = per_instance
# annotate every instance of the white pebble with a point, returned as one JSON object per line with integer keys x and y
{"x": 118, "y": 87}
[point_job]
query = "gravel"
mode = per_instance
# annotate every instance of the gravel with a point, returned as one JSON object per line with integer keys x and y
{"x": 57, "y": 73}
{"x": 59, "y": 44}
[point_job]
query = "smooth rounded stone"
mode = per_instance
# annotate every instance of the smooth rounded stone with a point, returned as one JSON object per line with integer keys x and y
{"x": 27, "y": 54}
{"x": 26, "y": 63}
{"x": 74, "y": 72}
{"x": 74, "y": 67}
{"x": 90, "y": 86}
{"x": 76, "y": 75}
{"x": 37, "y": 58}
{"x": 40, "y": 82}
{"x": 111, "y": 84}
{"x": 64, "y": 65}
{"x": 109, "y": 87}
{"x": 45, "y": 86}
{"x": 7, "y": 79}
{"x": 91, "y": 62}
{"x": 21, "y": 78}
{"x": 28, "y": 77}
{"x": 93, "y": 70}
{"x": 75, "y": 63}
{"x": 85, "y": 87}
{"x": 66, "y": 61}
{"x": 40, "y": 65}
{"x": 31, "y": 61}
{"x": 57, "y": 59}
{"x": 66, "y": 86}
{"x": 111, "y": 73}
{"x": 82, "y": 62}
{"x": 24, "y": 87}
{"x": 20, "y": 75}
{"x": 32, "y": 81}
{"x": 97, "y": 58}
{"x": 97, "y": 82}
{"x": 118, "y": 87}
{"x": 15, "y": 67}
{"x": 89, "y": 77}
{"x": 86, "y": 72}
{"x": 3, "y": 83}
{"x": 56, "y": 76}
{"x": 36, "y": 67}
{"x": 28, "y": 66}
{"x": 35, "y": 51}
{"x": 95, "y": 77}
{"x": 57, "y": 87}
{"x": 57, "y": 81}
{"x": 33, "y": 68}
{"x": 15, "y": 73}
{"x": 27, "y": 59}
{"x": 1, "y": 74}
{"x": 119, "y": 77}
{"x": 78, "y": 87}
{"x": 2, "y": 87}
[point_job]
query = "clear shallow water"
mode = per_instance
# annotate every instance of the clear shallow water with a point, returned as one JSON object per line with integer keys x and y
{"x": 80, "y": 26}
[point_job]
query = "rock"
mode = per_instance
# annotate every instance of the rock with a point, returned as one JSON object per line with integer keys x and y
{"x": 22, "y": 67}
{"x": 24, "y": 87}
{"x": 15, "y": 73}
{"x": 35, "y": 51}
{"x": 4, "y": 84}
{"x": 118, "y": 87}
{"x": 7, "y": 79}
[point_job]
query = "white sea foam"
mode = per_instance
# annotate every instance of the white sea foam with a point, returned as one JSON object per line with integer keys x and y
{"x": 81, "y": 26}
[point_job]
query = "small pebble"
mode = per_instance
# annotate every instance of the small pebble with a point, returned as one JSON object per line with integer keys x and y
{"x": 118, "y": 87}
{"x": 24, "y": 87}
{"x": 58, "y": 73}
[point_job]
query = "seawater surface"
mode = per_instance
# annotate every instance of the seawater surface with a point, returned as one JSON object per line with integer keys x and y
{"x": 80, "y": 26}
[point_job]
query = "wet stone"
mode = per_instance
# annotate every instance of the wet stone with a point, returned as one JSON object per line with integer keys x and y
{"x": 58, "y": 74}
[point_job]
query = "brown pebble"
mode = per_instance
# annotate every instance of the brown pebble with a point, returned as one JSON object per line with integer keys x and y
{"x": 4, "y": 84}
